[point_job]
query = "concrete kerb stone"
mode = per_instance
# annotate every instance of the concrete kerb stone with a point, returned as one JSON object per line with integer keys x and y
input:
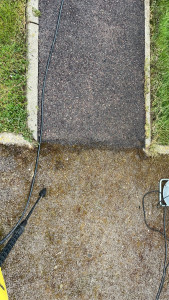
{"x": 32, "y": 74}
{"x": 7, "y": 138}
{"x": 147, "y": 76}
{"x": 32, "y": 80}
{"x": 147, "y": 91}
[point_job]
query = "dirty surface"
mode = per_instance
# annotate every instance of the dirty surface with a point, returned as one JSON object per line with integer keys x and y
{"x": 86, "y": 239}
{"x": 95, "y": 84}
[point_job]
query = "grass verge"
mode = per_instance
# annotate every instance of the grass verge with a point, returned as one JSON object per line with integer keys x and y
{"x": 160, "y": 70}
{"x": 13, "y": 65}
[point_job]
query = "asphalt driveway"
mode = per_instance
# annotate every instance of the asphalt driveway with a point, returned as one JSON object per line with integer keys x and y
{"x": 95, "y": 87}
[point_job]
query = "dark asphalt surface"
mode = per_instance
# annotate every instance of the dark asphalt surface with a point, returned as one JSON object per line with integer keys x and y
{"x": 95, "y": 88}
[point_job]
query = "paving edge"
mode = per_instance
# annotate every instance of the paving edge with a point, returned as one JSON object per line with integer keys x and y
{"x": 32, "y": 27}
{"x": 32, "y": 22}
{"x": 7, "y": 138}
{"x": 150, "y": 146}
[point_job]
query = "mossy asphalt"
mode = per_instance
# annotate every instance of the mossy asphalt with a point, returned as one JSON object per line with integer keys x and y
{"x": 87, "y": 239}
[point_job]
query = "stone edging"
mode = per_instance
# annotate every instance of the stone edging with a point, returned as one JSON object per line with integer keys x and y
{"x": 7, "y": 138}
{"x": 149, "y": 146}
{"x": 147, "y": 76}
{"x": 32, "y": 75}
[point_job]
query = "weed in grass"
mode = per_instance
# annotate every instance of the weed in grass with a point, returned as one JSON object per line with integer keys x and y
{"x": 36, "y": 12}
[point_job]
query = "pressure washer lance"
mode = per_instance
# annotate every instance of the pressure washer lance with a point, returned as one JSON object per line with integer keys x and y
{"x": 18, "y": 231}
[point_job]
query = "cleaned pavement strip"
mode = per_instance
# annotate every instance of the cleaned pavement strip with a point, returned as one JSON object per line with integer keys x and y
{"x": 32, "y": 83}
{"x": 95, "y": 88}
{"x": 96, "y": 129}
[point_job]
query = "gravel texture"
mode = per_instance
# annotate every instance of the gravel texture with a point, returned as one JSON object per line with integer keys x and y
{"x": 87, "y": 238}
{"x": 95, "y": 87}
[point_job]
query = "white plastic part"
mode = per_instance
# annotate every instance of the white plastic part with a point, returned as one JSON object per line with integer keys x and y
{"x": 164, "y": 192}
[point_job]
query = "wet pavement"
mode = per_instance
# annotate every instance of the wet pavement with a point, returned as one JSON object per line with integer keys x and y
{"x": 95, "y": 86}
{"x": 87, "y": 238}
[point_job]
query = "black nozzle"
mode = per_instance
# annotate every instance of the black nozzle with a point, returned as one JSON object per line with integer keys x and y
{"x": 18, "y": 231}
{"x": 42, "y": 193}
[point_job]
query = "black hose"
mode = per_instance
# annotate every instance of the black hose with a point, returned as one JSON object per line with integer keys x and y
{"x": 41, "y": 127}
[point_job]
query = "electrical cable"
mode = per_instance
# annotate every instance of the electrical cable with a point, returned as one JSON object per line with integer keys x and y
{"x": 41, "y": 126}
{"x": 144, "y": 212}
{"x": 165, "y": 239}
{"x": 165, "y": 258}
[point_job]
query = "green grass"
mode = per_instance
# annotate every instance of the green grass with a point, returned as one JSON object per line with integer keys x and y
{"x": 13, "y": 65}
{"x": 160, "y": 70}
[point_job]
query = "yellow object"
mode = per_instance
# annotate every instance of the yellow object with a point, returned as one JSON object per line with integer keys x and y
{"x": 3, "y": 291}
